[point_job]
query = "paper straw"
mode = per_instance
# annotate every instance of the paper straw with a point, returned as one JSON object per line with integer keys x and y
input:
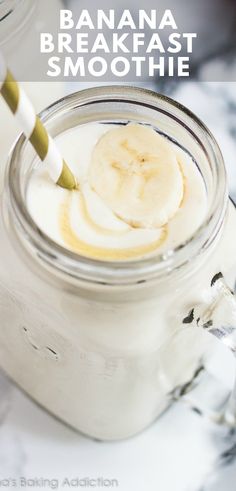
{"x": 33, "y": 128}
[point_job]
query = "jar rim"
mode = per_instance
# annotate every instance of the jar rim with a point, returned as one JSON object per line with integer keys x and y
{"x": 61, "y": 260}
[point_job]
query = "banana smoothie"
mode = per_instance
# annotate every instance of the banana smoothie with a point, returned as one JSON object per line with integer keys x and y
{"x": 100, "y": 324}
{"x": 139, "y": 194}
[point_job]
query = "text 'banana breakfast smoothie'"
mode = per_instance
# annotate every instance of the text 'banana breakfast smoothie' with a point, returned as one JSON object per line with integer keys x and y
{"x": 138, "y": 193}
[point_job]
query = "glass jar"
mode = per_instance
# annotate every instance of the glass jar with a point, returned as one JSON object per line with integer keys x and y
{"x": 21, "y": 22}
{"x": 101, "y": 345}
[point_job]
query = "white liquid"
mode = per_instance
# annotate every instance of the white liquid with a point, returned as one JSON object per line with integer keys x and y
{"x": 96, "y": 230}
{"x": 104, "y": 359}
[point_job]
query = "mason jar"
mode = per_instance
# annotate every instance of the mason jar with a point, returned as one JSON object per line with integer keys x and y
{"x": 105, "y": 346}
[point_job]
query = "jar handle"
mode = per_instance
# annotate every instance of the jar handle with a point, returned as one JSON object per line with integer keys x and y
{"x": 218, "y": 317}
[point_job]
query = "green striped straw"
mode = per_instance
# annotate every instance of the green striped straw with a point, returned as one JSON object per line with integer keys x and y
{"x": 34, "y": 129}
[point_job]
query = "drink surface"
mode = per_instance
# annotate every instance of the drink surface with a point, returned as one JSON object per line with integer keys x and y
{"x": 139, "y": 194}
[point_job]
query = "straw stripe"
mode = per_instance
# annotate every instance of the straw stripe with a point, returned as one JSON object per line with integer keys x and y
{"x": 40, "y": 139}
{"x": 34, "y": 129}
{"x": 10, "y": 92}
{"x": 25, "y": 114}
{"x": 53, "y": 155}
{"x": 65, "y": 177}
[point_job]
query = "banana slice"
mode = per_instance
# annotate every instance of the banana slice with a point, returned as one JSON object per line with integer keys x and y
{"x": 135, "y": 171}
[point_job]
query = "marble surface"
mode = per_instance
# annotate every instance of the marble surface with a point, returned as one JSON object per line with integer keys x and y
{"x": 182, "y": 451}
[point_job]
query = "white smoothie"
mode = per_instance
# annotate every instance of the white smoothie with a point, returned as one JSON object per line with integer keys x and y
{"x": 105, "y": 356}
{"x": 88, "y": 221}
